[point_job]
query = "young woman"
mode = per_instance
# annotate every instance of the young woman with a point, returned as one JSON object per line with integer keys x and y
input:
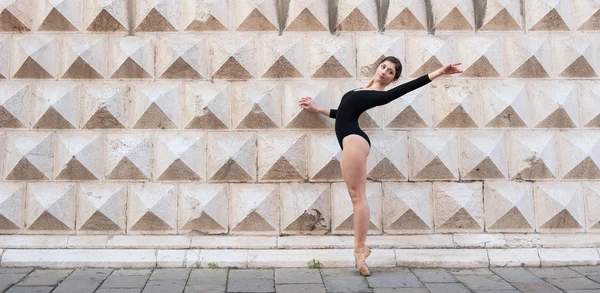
{"x": 355, "y": 143}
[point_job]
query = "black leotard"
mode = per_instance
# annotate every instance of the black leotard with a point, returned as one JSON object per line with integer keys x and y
{"x": 355, "y": 103}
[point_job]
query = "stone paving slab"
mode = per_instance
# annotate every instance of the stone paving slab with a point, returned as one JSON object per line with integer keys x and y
{"x": 45, "y": 277}
{"x": 434, "y": 276}
{"x": 300, "y": 288}
{"x": 297, "y": 276}
{"x": 44, "y": 289}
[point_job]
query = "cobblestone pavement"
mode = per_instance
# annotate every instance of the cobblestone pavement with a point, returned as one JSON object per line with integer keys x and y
{"x": 499, "y": 280}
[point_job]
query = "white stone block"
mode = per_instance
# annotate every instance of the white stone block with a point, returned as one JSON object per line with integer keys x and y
{"x": 282, "y": 156}
{"x": 433, "y": 155}
{"x": 484, "y": 240}
{"x": 282, "y": 56}
{"x": 21, "y": 13}
{"x": 528, "y": 56}
{"x": 131, "y": 57}
{"x": 224, "y": 258}
{"x": 427, "y": 53}
{"x": 449, "y": 258}
{"x": 483, "y": 155}
{"x": 388, "y": 157}
{"x": 87, "y": 241}
{"x": 51, "y": 208}
{"x": 458, "y": 207}
{"x": 456, "y": 104}
{"x": 514, "y": 257}
{"x": 84, "y": 57}
{"x": 591, "y": 193}
{"x": 62, "y": 15}
{"x": 180, "y": 156}
{"x": 75, "y": 258}
{"x": 183, "y": 57}
{"x": 231, "y": 157}
{"x": 234, "y": 242}
{"x": 34, "y": 56}
{"x": 585, "y": 15}
{"x": 253, "y": 209}
{"x": 233, "y": 57}
{"x": 55, "y": 105}
{"x": 192, "y": 258}
{"x": 554, "y": 104}
{"x": 559, "y": 207}
{"x": 576, "y": 56}
{"x": 207, "y": 106}
{"x": 357, "y": 15}
{"x": 104, "y": 105}
{"x": 206, "y": 15}
{"x": 158, "y": 16}
{"x": 508, "y": 206}
{"x": 481, "y": 56}
{"x": 506, "y": 104}
{"x": 412, "y": 110}
{"x": 33, "y": 241}
{"x": 256, "y": 105}
{"x": 533, "y": 155}
{"x": 406, "y": 15}
{"x": 28, "y": 156}
{"x": 152, "y": 208}
{"x": 332, "y": 57}
{"x": 12, "y": 207}
{"x": 552, "y": 257}
{"x": 101, "y": 208}
{"x": 502, "y": 15}
{"x": 15, "y": 104}
{"x": 255, "y": 15}
{"x": 78, "y": 156}
{"x": 407, "y": 208}
{"x": 170, "y": 258}
{"x": 307, "y": 16}
{"x": 548, "y": 15}
{"x": 293, "y": 116}
{"x": 579, "y": 154}
{"x": 305, "y": 208}
{"x": 149, "y": 241}
{"x": 106, "y": 16}
{"x": 453, "y": 15}
{"x": 203, "y": 208}
{"x": 324, "y": 157}
{"x": 156, "y": 105}
{"x": 128, "y": 156}
{"x": 589, "y": 93}
{"x": 570, "y": 240}
{"x": 342, "y": 212}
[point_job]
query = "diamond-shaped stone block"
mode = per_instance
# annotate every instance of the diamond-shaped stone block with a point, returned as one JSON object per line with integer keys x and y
{"x": 412, "y": 110}
{"x": 16, "y": 15}
{"x": 5, "y": 44}
{"x": 101, "y": 208}
{"x": 528, "y": 56}
{"x": 591, "y": 193}
{"x": 332, "y": 57}
{"x": 453, "y": 15}
{"x": 373, "y": 48}
{"x": 131, "y": 57}
{"x": 203, "y": 208}
{"x": 55, "y": 105}
{"x": 104, "y": 106}
{"x": 256, "y": 105}
{"x": 157, "y": 15}
{"x": 342, "y": 212}
{"x": 502, "y": 15}
{"x": 233, "y": 57}
{"x": 78, "y": 156}
{"x": 51, "y": 208}
{"x": 533, "y": 155}
{"x": 483, "y": 155}
{"x": 294, "y": 116}
{"x": 12, "y": 207}
{"x": 357, "y": 15}
{"x": 548, "y": 15}
{"x": 407, "y": 208}
{"x": 14, "y": 105}
{"x": 307, "y": 15}
{"x": 324, "y": 157}
{"x": 559, "y": 207}
{"x": 152, "y": 208}
{"x": 388, "y": 157}
{"x": 554, "y": 104}
{"x": 406, "y": 15}
{"x": 156, "y": 105}
{"x": 28, "y": 156}
{"x": 58, "y": 15}
{"x": 282, "y": 156}
{"x": 231, "y": 157}
{"x": 481, "y": 56}
{"x": 128, "y": 156}
{"x": 589, "y": 94}
{"x": 255, "y": 15}
{"x": 206, "y": 15}
{"x": 458, "y": 207}
{"x": 427, "y": 53}
{"x": 180, "y": 157}
{"x": 106, "y": 15}
{"x": 207, "y": 106}
{"x": 34, "y": 56}
{"x": 84, "y": 57}
{"x": 282, "y": 57}
{"x": 433, "y": 155}
{"x": 305, "y": 208}
{"x": 506, "y": 105}
{"x": 253, "y": 209}
{"x": 579, "y": 154}
{"x": 586, "y": 15}
{"x": 576, "y": 56}
{"x": 183, "y": 57}
{"x": 508, "y": 206}
{"x": 456, "y": 104}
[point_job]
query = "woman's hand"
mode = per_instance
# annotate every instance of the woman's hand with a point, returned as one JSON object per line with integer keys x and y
{"x": 448, "y": 69}
{"x": 308, "y": 104}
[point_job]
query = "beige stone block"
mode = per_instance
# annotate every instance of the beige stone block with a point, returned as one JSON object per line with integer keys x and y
{"x": 294, "y": 117}
{"x": 5, "y": 44}
{"x": 533, "y": 155}
{"x": 508, "y": 206}
{"x": 332, "y": 57}
{"x": 527, "y": 257}
{"x": 180, "y": 156}
{"x": 375, "y": 47}
{"x": 483, "y": 155}
{"x": 105, "y": 16}
{"x": 19, "y": 15}
{"x": 101, "y": 208}
{"x": 388, "y": 157}
{"x": 192, "y": 258}
{"x": 307, "y": 15}
{"x": 591, "y": 194}
{"x": 14, "y": 104}
{"x": 207, "y": 105}
{"x": 104, "y": 106}
{"x": 253, "y": 209}
{"x": 233, "y": 57}
{"x": 570, "y": 240}
{"x": 234, "y": 242}
{"x": 342, "y": 212}
{"x": 528, "y": 56}
{"x": 559, "y": 207}
{"x": 84, "y": 57}
{"x": 448, "y": 258}
{"x": 433, "y": 155}
{"x": 407, "y": 208}
{"x": 484, "y": 240}
{"x": 522, "y": 240}
{"x": 224, "y": 258}
{"x": 481, "y": 55}
{"x": 156, "y": 105}
{"x": 324, "y": 157}
{"x": 158, "y": 16}
{"x": 78, "y": 156}
{"x": 128, "y": 156}
{"x": 412, "y": 110}
{"x": 282, "y": 57}
{"x": 579, "y": 154}
{"x": 255, "y": 15}
{"x": 33, "y": 241}
{"x": 256, "y": 105}
{"x": 456, "y": 104}
{"x": 50, "y": 208}
{"x": 231, "y": 157}
{"x": 282, "y": 156}
{"x": 427, "y": 53}
{"x": 62, "y": 15}
{"x": 34, "y": 56}
{"x": 12, "y": 207}
{"x": 170, "y": 258}
{"x": 203, "y": 208}
{"x": 548, "y": 15}
{"x": 183, "y": 57}
{"x": 318, "y": 242}
{"x": 206, "y": 15}
{"x": 357, "y": 15}
{"x": 131, "y": 57}
{"x": 502, "y": 15}
{"x": 589, "y": 93}
{"x": 406, "y": 15}
{"x": 87, "y": 241}
{"x": 305, "y": 208}
{"x": 149, "y": 241}
{"x": 453, "y": 15}
{"x": 28, "y": 155}
{"x": 506, "y": 105}
{"x": 55, "y": 105}
{"x": 576, "y": 55}
{"x": 75, "y": 258}
{"x": 458, "y": 207}
{"x": 152, "y": 208}
{"x": 329, "y": 258}
{"x": 552, "y": 257}
{"x": 585, "y": 15}
{"x": 412, "y": 241}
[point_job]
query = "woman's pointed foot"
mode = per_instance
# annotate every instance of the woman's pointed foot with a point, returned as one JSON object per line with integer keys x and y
{"x": 360, "y": 256}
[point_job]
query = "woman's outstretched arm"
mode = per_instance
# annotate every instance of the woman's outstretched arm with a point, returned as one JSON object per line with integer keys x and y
{"x": 308, "y": 104}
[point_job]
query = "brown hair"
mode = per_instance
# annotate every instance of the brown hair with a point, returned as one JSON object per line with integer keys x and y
{"x": 396, "y": 63}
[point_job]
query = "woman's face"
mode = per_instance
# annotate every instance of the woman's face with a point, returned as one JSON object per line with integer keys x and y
{"x": 386, "y": 71}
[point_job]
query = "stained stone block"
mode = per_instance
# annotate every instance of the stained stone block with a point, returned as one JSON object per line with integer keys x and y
{"x": 253, "y": 209}
{"x": 203, "y": 208}
{"x": 156, "y": 105}
{"x": 256, "y": 105}
{"x": 255, "y": 15}
{"x": 406, "y": 15}
{"x": 84, "y": 57}
{"x": 28, "y": 156}
{"x": 78, "y": 156}
{"x": 131, "y": 57}
{"x": 304, "y": 208}
{"x": 61, "y": 15}
{"x": 342, "y": 213}
{"x": 104, "y": 106}
{"x": 533, "y": 155}
{"x": 370, "y": 119}
{"x": 324, "y": 157}
{"x": 101, "y": 208}
{"x": 528, "y": 56}
{"x": 554, "y": 104}
{"x": 207, "y": 106}
{"x": 506, "y": 104}
{"x": 559, "y": 207}
{"x": 407, "y": 208}
{"x": 233, "y": 56}
{"x": 481, "y": 56}
{"x": 427, "y": 53}
{"x": 332, "y": 57}
{"x": 282, "y": 57}
{"x": 206, "y": 15}
{"x": 152, "y": 208}
{"x": 502, "y": 15}
{"x": 5, "y": 44}
{"x": 456, "y": 104}
{"x": 157, "y": 15}
{"x": 483, "y": 155}
{"x": 576, "y": 56}
{"x": 412, "y": 110}
{"x": 183, "y": 57}
{"x": 231, "y": 157}
{"x": 282, "y": 156}
{"x": 307, "y": 15}
{"x": 373, "y": 48}
{"x": 128, "y": 156}
{"x": 586, "y": 15}
{"x": 55, "y": 105}
{"x": 589, "y": 94}
{"x": 579, "y": 154}
{"x": 433, "y": 155}
{"x": 12, "y": 207}
{"x": 294, "y": 116}
{"x": 508, "y": 206}
{"x": 548, "y": 15}
{"x": 16, "y": 15}
{"x": 106, "y": 15}
{"x": 591, "y": 193}
{"x": 458, "y": 207}
{"x": 357, "y": 15}
{"x": 453, "y": 15}
{"x": 34, "y": 56}
{"x": 180, "y": 157}
{"x": 14, "y": 105}
{"x": 388, "y": 157}
{"x": 50, "y": 208}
